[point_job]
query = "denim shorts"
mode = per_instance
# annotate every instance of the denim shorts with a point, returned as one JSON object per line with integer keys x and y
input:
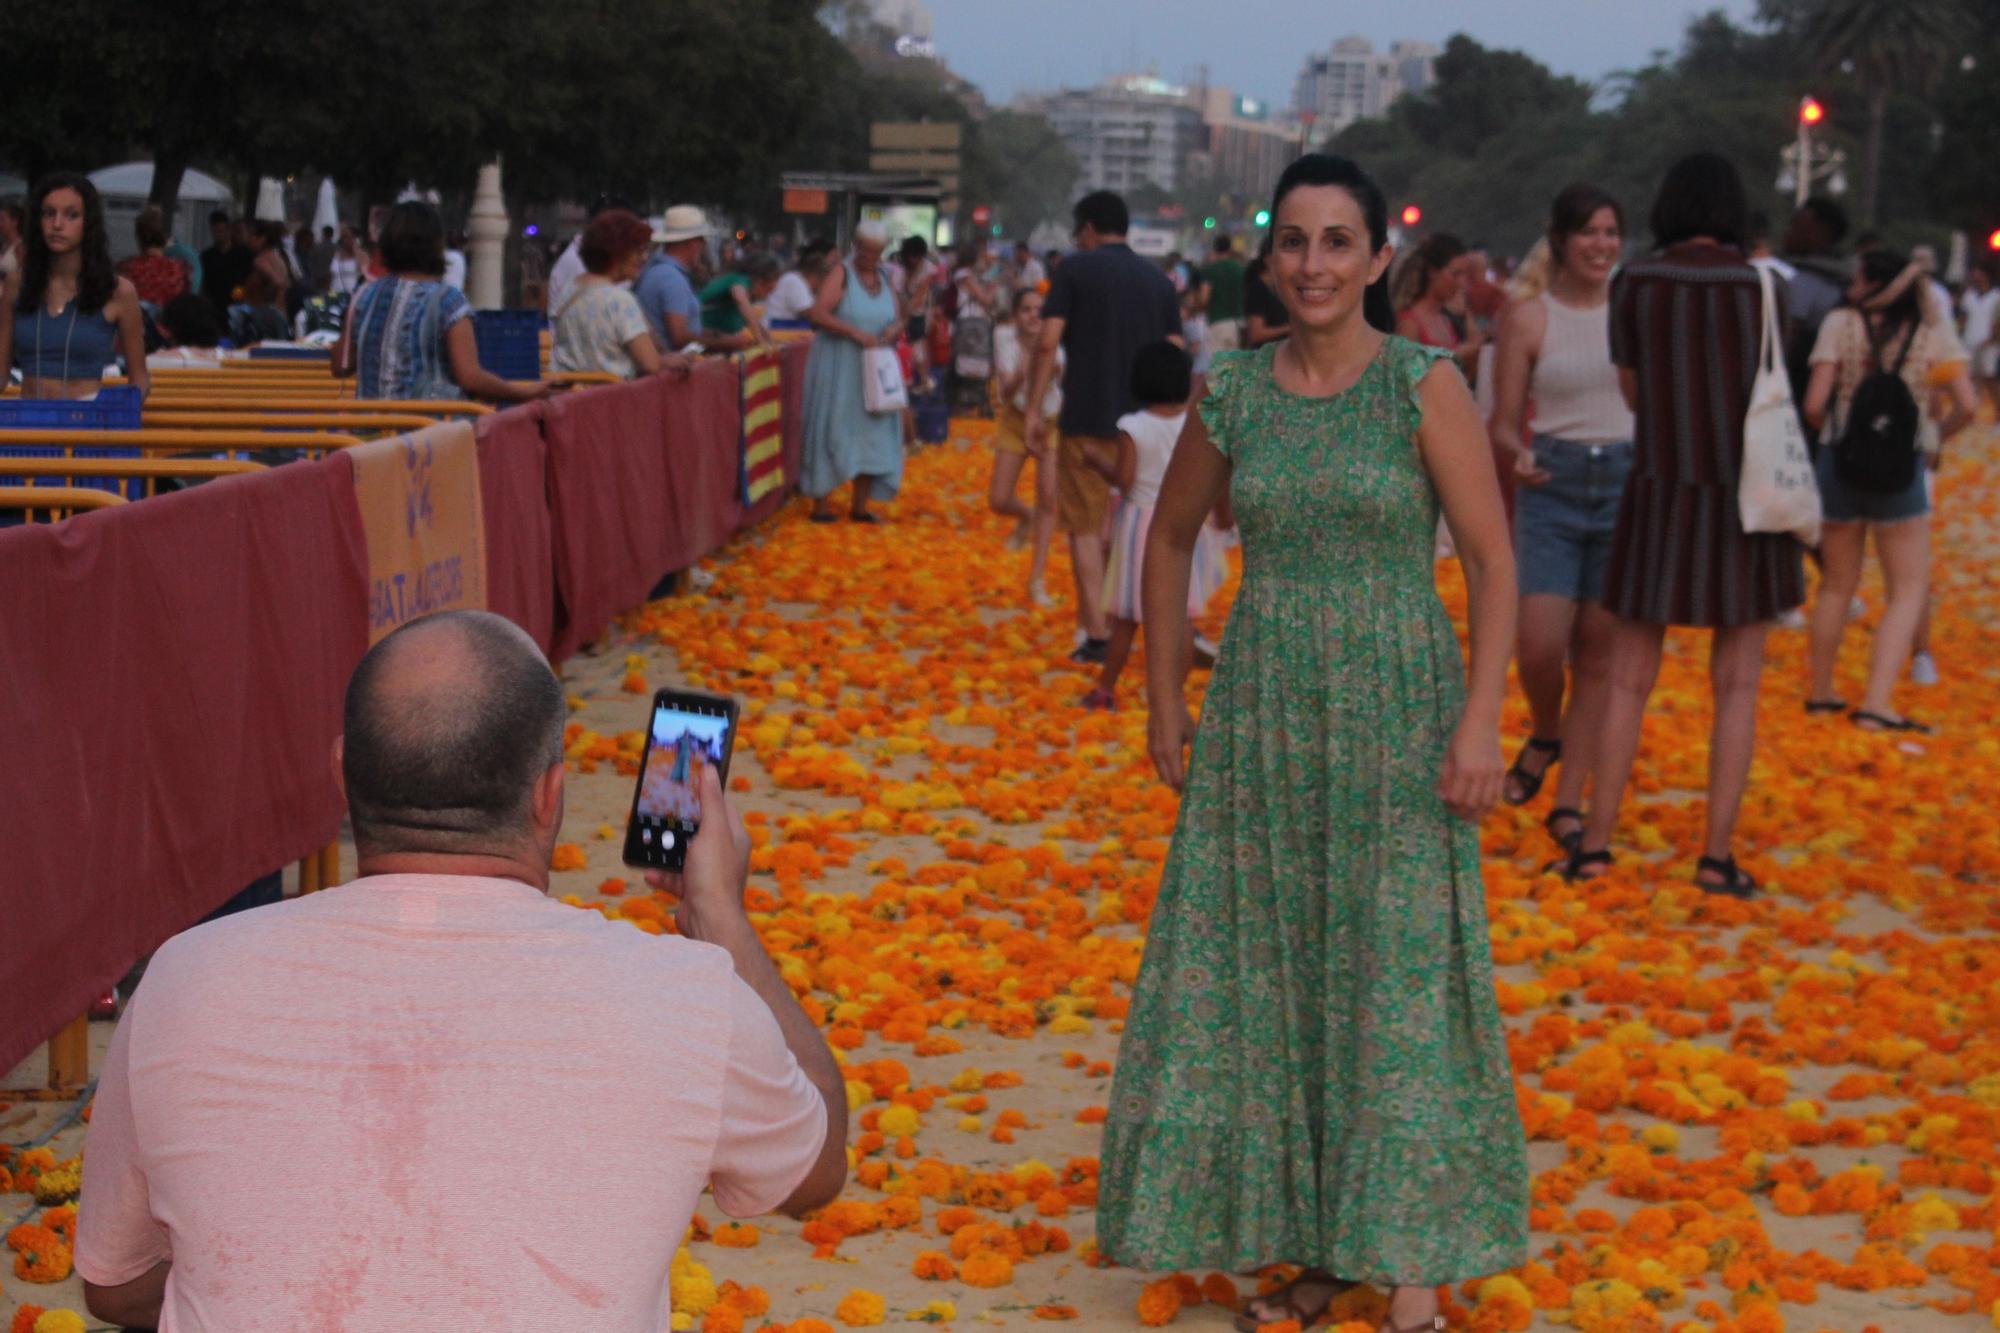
{"x": 1562, "y": 528}
{"x": 1842, "y": 503}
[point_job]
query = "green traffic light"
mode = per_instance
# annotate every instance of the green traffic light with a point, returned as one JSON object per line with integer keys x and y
{"x": 1263, "y": 217}
{"x": 1208, "y": 224}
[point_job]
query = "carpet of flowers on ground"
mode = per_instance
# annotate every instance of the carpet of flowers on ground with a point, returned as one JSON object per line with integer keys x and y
{"x": 1734, "y": 1109}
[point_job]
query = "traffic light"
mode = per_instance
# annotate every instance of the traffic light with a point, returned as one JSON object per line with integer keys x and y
{"x": 1810, "y": 111}
{"x": 1412, "y": 215}
{"x": 1263, "y": 217}
{"x": 1208, "y": 224}
{"x": 1993, "y": 241}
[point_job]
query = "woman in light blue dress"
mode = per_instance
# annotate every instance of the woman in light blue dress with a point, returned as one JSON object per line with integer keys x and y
{"x": 843, "y": 440}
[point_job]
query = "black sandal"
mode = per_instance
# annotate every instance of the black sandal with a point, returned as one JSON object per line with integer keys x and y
{"x": 1826, "y": 705}
{"x": 1736, "y": 881}
{"x": 824, "y": 518}
{"x": 1284, "y": 1303}
{"x": 1531, "y": 783}
{"x": 1875, "y": 721}
{"x": 1571, "y": 840}
{"x": 1573, "y": 866}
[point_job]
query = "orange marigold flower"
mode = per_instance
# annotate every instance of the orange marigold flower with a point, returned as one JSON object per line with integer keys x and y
{"x": 934, "y": 1266}
{"x": 737, "y": 1236}
{"x": 1218, "y": 1289}
{"x": 1091, "y": 1115}
{"x": 1055, "y": 1312}
{"x": 1159, "y": 1302}
{"x": 568, "y": 856}
{"x": 24, "y": 1319}
{"x": 985, "y": 1268}
{"x": 722, "y": 1319}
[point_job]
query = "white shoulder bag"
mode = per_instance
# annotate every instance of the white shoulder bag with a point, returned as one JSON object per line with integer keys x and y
{"x": 1777, "y": 491}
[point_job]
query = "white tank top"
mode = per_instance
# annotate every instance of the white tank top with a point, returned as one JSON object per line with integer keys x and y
{"x": 1574, "y": 387}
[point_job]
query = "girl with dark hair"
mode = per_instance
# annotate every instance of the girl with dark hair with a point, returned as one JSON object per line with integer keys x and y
{"x": 69, "y": 313}
{"x": 1685, "y": 325}
{"x": 1314, "y": 1070}
{"x": 1889, "y": 323}
{"x": 1264, "y": 317}
{"x": 408, "y": 335}
{"x": 1554, "y": 349}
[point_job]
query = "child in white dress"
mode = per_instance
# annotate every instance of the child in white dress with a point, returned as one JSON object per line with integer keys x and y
{"x": 1161, "y": 379}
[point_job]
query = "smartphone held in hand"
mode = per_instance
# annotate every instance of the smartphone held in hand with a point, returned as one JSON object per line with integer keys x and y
{"x": 688, "y": 730}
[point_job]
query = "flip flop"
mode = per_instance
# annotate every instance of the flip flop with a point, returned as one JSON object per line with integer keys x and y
{"x": 1531, "y": 783}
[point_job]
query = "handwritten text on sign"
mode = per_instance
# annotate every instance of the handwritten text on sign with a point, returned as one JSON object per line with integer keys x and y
{"x": 420, "y": 510}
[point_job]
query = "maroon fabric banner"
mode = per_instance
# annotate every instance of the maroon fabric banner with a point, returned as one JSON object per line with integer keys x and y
{"x": 513, "y": 488}
{"x": 171, "y": 676}
{"x": 642, "y": 481}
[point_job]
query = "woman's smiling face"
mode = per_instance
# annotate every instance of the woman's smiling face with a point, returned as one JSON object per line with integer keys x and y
{"x": 1322, "y": 258}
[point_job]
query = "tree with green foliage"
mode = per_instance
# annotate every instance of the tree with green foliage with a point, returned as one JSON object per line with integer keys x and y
{"x": 1890, "y": 47}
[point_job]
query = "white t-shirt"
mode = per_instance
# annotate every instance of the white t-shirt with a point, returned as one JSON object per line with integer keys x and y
{"x": 423, "y": 1044}
{"x": 1008, "y": 359}
{"x": 791, "y": 298}
{"x": 345, "y": 275}
{"x": 1980, "y": 310}
{"x": 454, "y": 269}
{"x": 1153, "y": 439}
{"x": 565, "y": 271}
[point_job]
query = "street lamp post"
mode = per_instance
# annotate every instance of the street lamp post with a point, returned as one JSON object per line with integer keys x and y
{"x": 1803, "y": 162}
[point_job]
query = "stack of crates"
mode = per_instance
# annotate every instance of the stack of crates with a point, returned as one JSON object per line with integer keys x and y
{"x": 116, "y": 407}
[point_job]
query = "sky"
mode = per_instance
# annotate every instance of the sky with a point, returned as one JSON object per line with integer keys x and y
{"x": 1256, "y": 46}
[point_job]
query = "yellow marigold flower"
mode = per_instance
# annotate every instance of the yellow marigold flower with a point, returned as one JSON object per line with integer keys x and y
{"x": 899, "y": 1121}
{"x": 59, "y": 1321}
{"x": 861, "y": 1309}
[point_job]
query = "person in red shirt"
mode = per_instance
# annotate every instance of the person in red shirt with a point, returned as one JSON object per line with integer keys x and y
{"x": 157, "y": 276}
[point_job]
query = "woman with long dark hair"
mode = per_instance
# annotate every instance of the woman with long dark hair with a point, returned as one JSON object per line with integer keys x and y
{"x": 1889, "y": 323}
{"x": 1314, "y": 1070}
{"x": 71, "y": 314}
{"x": 1685, "y": 324}
{"x": 1554, "y": 349}
{"x": 1429, "y": 295}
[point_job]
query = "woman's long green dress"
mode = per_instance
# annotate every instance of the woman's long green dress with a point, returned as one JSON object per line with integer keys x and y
{"x": 1314, "y": 1069}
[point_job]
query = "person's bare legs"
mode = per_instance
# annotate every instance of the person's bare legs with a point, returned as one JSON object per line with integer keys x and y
{"x": 1000, "y": 493}
{"x": 1589, "y": 691}
{"x": 1735, "y": 669}
{"x": 1042, "y": 529}
{"x": 1840, "y": 547}
{"x": 1086, "y": 558}
{"x": 1905, "y": 551}
{"x": 1634, "y": 655}
{"x": 1116, "y": 650}
{"x": 1542, "y": 648}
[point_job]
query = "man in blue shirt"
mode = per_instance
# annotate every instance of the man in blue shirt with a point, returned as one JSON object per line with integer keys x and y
{"x": 665, "y": 288}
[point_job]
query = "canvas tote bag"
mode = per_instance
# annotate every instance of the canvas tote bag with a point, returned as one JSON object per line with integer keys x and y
{"x": 1777, "y": 491}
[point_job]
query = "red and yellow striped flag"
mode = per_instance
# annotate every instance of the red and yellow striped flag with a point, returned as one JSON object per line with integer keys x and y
{"x": 763, "y": 425}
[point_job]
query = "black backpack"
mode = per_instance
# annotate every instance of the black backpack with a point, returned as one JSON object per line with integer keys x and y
{"x": 1877, "y": 452}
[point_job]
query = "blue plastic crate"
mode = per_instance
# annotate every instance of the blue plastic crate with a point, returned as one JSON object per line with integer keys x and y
{"x": 116, "y": 407}
{"x": 132, "y": 488}
{"x": 510, "y": 342}
{"x": 933, "y": 419}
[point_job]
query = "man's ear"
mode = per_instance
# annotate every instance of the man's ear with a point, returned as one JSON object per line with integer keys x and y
{"x": 546, "y": 801}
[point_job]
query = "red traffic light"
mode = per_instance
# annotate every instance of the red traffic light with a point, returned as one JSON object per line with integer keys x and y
{"x": 1993, "y": 241}
{"x": 1412, "y": 215}
{"x": 1810, "y": 111}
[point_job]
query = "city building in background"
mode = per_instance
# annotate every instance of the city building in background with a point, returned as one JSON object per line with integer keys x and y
{"x": 1353, "y": 81}
{"x": 1246, "y": 142}
{"x": 1129, "y": 131}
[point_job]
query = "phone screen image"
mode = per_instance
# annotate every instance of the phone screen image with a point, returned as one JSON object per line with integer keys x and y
{"x": 687, "y": 733}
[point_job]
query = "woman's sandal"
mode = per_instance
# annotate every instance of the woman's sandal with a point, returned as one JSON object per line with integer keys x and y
{"x": 1576, "y": 866}
{"x": 1284, "y": 1304}
{"x": 1826, "y": 705}
{"x": 1571, "y": 840}
{"x": 1868, "y": 721}
{"x": 1736, "y": 881}
{"x": 1531, "y": 783}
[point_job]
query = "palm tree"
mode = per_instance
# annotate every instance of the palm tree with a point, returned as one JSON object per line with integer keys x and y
{"x": 1890, "y": 46}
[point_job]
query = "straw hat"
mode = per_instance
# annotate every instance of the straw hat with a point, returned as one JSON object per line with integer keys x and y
{"x": 682, "y": 222}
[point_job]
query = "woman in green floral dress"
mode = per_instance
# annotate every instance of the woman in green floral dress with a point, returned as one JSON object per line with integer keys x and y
{"x": 1314, "y": 1070}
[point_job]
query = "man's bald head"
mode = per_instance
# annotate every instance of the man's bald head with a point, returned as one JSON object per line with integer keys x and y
{"x": 449, "y": 723}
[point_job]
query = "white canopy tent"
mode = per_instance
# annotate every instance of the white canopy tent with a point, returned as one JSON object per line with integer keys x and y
{"x": 125, "y": 188}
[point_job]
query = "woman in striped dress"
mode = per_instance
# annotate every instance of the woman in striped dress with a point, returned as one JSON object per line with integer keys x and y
{"x": 1684, "y": 333}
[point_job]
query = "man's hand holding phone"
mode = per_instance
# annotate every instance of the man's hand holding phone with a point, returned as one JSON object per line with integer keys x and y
{"x": 710, "y": 884}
